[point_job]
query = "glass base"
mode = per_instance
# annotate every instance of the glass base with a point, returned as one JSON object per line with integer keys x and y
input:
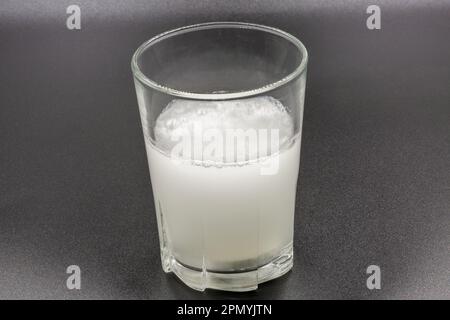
{"x": 241, "y": 281}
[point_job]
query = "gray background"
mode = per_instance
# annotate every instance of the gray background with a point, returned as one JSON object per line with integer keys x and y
{"x": 375, "y": 168}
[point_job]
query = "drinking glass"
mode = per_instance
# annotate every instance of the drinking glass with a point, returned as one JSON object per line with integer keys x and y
{"x": 225, "y": 213}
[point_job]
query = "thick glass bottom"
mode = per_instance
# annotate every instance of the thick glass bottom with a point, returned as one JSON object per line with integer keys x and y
{"x": 201, "y": 279}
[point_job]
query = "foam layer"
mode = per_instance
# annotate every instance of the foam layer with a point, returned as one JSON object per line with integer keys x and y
{"x": 182, "y": 117}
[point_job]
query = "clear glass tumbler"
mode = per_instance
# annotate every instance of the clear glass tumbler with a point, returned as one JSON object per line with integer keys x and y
{"x": 221, "y": 107}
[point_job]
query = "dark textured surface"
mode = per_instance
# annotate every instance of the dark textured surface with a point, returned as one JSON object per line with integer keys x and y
{"x": 375, "y": 173}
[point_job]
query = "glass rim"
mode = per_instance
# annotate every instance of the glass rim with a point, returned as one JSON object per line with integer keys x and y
{"x": 139, "y": 75}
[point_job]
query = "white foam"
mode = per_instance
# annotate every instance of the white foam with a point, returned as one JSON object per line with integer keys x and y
{"x": 181, "y": 116}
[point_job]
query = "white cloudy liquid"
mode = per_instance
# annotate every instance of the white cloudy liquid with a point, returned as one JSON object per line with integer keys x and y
{"x": 225, "y": 217}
